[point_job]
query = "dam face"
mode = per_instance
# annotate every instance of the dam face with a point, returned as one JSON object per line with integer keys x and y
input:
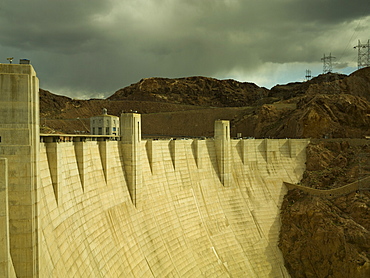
{"x": 100, "y": 206}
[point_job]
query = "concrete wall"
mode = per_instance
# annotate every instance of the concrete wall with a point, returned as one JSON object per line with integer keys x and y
{"x": 6, "y": 264}
{"x": 19, "y": 136}
{"x": 186, "y": 223}
{"x": 136, "y": 208}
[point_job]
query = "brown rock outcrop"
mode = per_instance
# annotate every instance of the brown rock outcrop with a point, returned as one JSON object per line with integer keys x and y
{"x": 334, "y": 163}
{"x": 197, "y": 90}
{"x": 329, "y": 236}
{"x": 51, "y": 105}
{"x": 316, "y": 116}
{"x": 326, "y": 238}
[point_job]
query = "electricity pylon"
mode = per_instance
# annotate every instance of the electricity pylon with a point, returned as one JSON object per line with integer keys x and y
{"x": 327, "y": 67}
{"x": 363, "y": 54}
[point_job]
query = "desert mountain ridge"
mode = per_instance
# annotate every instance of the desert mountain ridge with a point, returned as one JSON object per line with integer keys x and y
{"x": 327, "y": 106}
{"x": 196, "y": 90}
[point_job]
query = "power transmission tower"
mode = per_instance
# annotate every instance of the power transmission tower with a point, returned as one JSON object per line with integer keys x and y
{"x": 328, "y": 67}
{"x": 363, "y": 54}
{"x": 308, "y": 74}
{"x": 331, "y": 80}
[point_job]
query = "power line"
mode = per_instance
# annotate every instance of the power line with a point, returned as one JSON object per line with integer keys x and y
{"x": 350, "y": 40}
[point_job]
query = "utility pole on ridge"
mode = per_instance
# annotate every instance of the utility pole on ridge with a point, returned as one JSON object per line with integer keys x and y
{"x": 363, "y": 59}
{"x": 327, "y": 65}
{"x": 308, "y": 75}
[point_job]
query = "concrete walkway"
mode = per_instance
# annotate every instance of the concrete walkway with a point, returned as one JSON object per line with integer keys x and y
{"x": 360, "y": 185}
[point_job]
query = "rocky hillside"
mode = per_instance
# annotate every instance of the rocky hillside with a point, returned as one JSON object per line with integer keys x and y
{"x": 326, "y": 238}
{"x": 331, "y": 164}
{"x": 329, "y": 237}
{"x": 328, "y": 106}
{"x": 197, "y": 90}
{"x": 314, "y": 116}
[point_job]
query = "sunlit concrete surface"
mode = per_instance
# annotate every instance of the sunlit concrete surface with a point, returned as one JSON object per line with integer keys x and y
{"x": 185, "y": 222}
{"x": 80, "y": 206}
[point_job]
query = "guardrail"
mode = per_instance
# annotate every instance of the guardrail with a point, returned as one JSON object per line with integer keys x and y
{"x": 48, "y": 138}
{"x": 360, "y": 185}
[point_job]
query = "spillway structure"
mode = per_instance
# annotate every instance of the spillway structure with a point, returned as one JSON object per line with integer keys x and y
{"x": 126, "y": 206}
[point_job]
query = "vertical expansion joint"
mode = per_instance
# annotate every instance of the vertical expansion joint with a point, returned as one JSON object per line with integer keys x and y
{"x": 138, "y": 130}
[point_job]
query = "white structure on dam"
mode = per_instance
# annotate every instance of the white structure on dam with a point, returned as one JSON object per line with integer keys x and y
{"x": 104, "y": 124}
{"x": 90, "y": 206}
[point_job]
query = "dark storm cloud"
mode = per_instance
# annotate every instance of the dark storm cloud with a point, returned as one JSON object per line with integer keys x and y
{"x": 60, "y": 26}
{"x": 95, "y": 46}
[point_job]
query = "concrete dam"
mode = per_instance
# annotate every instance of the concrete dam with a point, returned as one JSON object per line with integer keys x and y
{"x": 125, "y": 206}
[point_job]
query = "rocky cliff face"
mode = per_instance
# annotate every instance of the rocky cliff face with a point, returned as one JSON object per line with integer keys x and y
{"x": 326, "y": 238}
{"x": 329, "y": 237}
{"x": 332, "y": 164}
{"x": 332, "y": 116}
{"x": 328, "y": 106}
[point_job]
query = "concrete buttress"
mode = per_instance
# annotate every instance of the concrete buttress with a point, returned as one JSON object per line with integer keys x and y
{"x": 222, "y": 144}
{"x": 19, "y": 133}
{"x": 130, "y": 147}
{"x": 6, "y": 266}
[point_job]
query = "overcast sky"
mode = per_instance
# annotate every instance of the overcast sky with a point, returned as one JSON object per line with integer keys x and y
{"x": 91, "y": 48}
